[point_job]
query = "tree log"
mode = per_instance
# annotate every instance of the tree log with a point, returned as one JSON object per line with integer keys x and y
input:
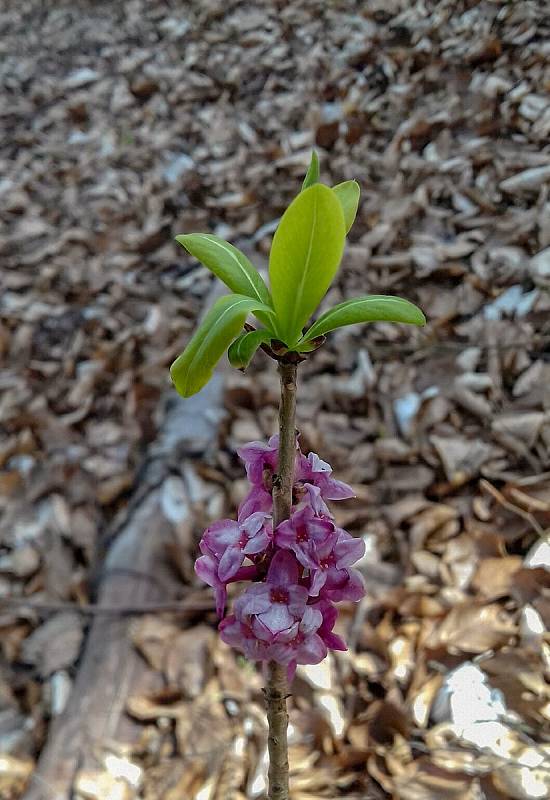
{"x": 111, "y": 669}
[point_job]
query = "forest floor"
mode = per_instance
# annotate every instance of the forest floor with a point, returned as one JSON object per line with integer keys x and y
{"x": 126, "y": 123}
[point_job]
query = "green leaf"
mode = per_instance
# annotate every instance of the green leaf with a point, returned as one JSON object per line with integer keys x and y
{"x": 227, "y": 263}
{"x": 312, "y": 174}
{"x": 371, "y": 308}
{"x": 348, "y": 195}
{"x": 194, "y": 367}
{"x": 305, "y": 254}
{"x": 243, "y": 348}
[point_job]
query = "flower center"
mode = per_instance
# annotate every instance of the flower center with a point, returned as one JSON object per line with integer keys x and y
{"x": 279, "y": 595}
{"x": 329, "y": 561}
{"x": 301, "y": 534}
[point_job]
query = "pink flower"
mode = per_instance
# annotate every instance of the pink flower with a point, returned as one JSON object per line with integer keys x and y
{"x": 231, "y": 542}
{"x": 258, "y": 499}
{"x": 304, "y": 534}
{"x": 306, "y": 646}
{"x": 332, "y": 561}
{"x": 312, "y": 496}
{"x": 274, "y": 608}
{"x": 241, "y": 636}
{"x": 316, "y": 471}
{"x": 345, "y": 584}
{"x": 330, "y": 615}
{"x": 286, "y": 613}
{"x": 260, "y": 461}
{"x": 206, "y": 567}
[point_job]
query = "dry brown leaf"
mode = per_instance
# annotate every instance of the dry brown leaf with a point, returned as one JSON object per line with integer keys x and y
{"x": 494, "y": 577}
{"x": 472, "y": 628}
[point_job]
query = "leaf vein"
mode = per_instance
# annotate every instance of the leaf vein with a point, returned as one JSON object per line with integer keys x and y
{"x": 241, "y": 267}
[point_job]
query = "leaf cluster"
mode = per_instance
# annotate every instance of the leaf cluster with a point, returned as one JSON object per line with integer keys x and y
{"x": 305, "y": 255}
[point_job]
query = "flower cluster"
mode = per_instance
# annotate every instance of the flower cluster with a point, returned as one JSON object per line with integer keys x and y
{"x": 297, "y": 570}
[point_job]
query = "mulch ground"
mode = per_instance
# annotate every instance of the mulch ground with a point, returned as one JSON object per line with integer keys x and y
{"x": 124, "y": 124}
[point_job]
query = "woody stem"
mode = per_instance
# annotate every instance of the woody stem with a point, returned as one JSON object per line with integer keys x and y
{"x": 276, "y": 690}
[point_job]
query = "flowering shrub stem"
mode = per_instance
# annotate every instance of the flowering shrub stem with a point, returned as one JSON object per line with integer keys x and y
{"x": 285, "y": 544}
{"x": 282, "y": 484}
{"x": 277, "y": 686}
{"x": 277, "y": 719}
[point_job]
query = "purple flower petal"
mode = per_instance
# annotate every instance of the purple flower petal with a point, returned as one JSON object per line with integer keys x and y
{"x": 316, "y": 501}
{"x": 297, "y": 599}
{"x": 287, "y": 636}
{"x": 231, "y": 631}
{"x": 305, "y": 534}
{"x": 318, "y": 580}
{"x": 311, "y": 621}
{"x": 311, "y": 651}
{"x": 283, "y": 570}
{"x": 220, "y": 593}
{"x": 318, "y": 472}
{"x": 332, "y": 489}
{"x": 330, "y": 614}
{"x": 206, "y": 567}
{"x": 221, "y": 535}
{"x": 256, "y": 456}
{"x": 348, "y": 550}
{"x": 255, "y": 600}
{"x": 230, "y": 563}
{"x": 333, "y": 641}
{"x": 258, "y": 499}
{"x": 257, "y": 544}
{"x": 346, "y": 584}
{"x": 277, "y": 618}
{"x": 255, "y": 523}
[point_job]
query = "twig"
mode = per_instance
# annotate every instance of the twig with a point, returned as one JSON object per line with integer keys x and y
{"x": 92, "y": 609}
{"x": 277, "y": 689}
{"x": 499, "y": 497}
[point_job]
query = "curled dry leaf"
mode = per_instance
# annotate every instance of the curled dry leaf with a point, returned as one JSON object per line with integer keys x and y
{"x": 473, "y": 628}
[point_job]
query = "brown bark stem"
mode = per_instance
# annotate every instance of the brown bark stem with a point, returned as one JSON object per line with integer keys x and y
{"x": 277, "y": 687}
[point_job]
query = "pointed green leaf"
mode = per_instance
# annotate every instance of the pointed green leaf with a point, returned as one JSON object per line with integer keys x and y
{"x": 243, "y": 348}
{"x": 371, "y": 308}
{"x": 312, "y": 174}
{"x": 305, "y": 254}
{"x": 227, "y": 263}
{"x": 348, "y": 195}
{"x": 194, "y": 367}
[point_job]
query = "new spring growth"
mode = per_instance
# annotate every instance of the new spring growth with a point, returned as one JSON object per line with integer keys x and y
{"x": 296, "y": 572}
{"x": 305, "y": 255}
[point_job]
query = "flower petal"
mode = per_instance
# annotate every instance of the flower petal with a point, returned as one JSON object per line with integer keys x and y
{"x": 331, "y": 489}
{"x": 283, "y": 570}
{"x": 258, "y": 499}
{"x": 316, "y": 501}
{"x": 254, "y": 600}
{"x": 277, "y": 618}
{"x": 311, "y": 651}
{"x": 318, "y": 580}
{"x": 348, "y": 550}
{"x": 206, "y": 568}
{"x": 297, "y": 599}
{"x": 311, "y": 621}
{"x": 230, "y": 563}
